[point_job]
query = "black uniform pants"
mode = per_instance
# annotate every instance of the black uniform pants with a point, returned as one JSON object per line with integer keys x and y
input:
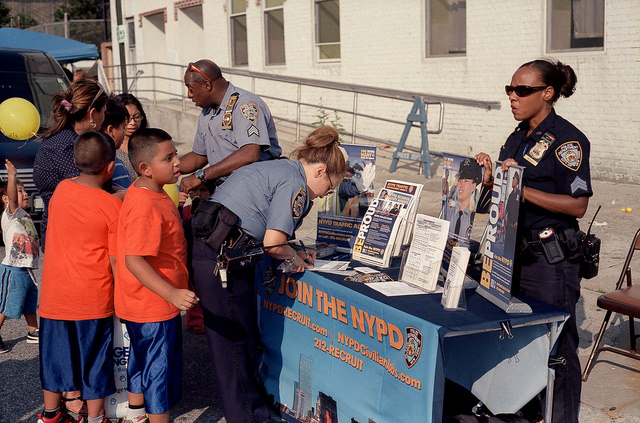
{"x": 232, "y": 333}
{"x": 558, "y": 284}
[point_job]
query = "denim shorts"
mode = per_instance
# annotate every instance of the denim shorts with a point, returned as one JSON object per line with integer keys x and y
{"x": 18, "y": 291}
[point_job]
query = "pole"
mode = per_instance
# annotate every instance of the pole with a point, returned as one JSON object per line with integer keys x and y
{"x": 121, "y": 40}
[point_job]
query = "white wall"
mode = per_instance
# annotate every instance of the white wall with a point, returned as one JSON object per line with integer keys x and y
{"x": 383, "y": 44}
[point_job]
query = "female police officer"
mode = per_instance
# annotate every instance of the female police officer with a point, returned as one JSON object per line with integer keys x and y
{"x": 556, "y": 190}
{"x": 270, "y": 199}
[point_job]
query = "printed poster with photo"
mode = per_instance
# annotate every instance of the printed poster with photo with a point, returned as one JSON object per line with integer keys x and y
{"x": 340, "y": 214}
{"x": 461, "y": 186}
{"x": 498, "y": 247}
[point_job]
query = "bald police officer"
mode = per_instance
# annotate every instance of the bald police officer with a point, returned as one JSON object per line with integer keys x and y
{"x": 235, "y": 127}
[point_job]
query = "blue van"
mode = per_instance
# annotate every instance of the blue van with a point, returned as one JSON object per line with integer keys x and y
{"x": 35, "y": 76}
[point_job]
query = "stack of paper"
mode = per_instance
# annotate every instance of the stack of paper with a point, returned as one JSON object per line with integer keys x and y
{"x": 387, "y": 224}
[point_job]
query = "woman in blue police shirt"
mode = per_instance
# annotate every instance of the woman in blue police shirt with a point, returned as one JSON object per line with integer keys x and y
{"x": 270, "y": 199}
{"x": 555, "y": 193}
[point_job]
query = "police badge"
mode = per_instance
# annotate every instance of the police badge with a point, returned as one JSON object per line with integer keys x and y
{"x": 536, "y": 153}
{"x": 413, "y": 346}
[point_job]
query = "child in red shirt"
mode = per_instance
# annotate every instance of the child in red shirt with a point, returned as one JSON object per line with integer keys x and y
{"x": 151, "y": 277}
{"x": 76, "y": 300}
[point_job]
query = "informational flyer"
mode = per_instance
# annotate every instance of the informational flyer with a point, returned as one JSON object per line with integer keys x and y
{"x": 500, "y": 242}
{"x": 422, "y": 266}
{"x": 340, "y": 213}
{"x": 384, "y": 224}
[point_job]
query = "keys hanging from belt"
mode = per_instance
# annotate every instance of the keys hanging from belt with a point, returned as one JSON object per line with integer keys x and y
{"x": 222, "y": 265}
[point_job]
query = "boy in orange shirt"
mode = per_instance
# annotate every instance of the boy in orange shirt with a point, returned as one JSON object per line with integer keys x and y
{"x": 151, "y": 278}
{"x": 76, "y": 300}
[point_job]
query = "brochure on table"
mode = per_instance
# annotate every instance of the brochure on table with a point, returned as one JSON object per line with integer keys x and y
{"x": 461, "y": 186}
{"x": 423, "y": 261}
{"x": 387, "y": 223}
{"x": 340, "y": 214}
{"x": 498, "y": 247}
{"x": 454, "y": 284}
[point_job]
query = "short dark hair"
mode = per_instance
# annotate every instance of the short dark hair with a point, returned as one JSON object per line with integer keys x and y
{"x": 115, "y": 114}
{"x": 93, "y": 151}
{"x": 128, "y": 98}
{"x": 143, "y": 145}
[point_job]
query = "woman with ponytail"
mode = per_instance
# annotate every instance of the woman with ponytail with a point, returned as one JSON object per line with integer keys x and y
{"x": 79, "y": 109}
{"x": 270, "y": 199}
{"x": 556, "y": 187}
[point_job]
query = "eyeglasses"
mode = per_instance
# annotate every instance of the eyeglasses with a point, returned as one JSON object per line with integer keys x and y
{"x": 523, "y": 90}
{"x": 100, "y": 92}
{"x": 135, "y": 118}
{"x": 331, "y": 186}
{"x": 193, "y": 68}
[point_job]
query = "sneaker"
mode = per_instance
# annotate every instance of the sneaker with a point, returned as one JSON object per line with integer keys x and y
{"x": 59, "y": 418}
{"x": 143, "y": 419}
{"x": 33, "y": 337}
{"x": 3, "y": 347}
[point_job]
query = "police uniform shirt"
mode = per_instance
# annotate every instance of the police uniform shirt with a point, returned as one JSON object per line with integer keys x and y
{"x": 266, "y": 195}
{"x": 560, "y": 168}
{"x": 251, "y": 123}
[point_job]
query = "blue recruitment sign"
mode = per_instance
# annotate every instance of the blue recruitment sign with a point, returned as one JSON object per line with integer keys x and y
{"x": 334, "y": 353}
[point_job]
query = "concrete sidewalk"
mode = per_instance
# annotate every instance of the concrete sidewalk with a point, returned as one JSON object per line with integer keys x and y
{"x": 612, "y": 393}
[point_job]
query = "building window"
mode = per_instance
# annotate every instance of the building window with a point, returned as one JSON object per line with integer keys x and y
{"x": 575, "y": 24}
{"x": 274, "y": 32}
{"x": 131, "y": 33}
{"x": 446, "y": 27}
{"x": 328, "y": 29}
{"x": 239, "y": 50}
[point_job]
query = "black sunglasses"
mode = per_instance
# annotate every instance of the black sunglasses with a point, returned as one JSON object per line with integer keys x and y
{"x": 523, "y": 90}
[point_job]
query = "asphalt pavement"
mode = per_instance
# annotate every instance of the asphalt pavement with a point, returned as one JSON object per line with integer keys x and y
{"x": 612, "y": 393}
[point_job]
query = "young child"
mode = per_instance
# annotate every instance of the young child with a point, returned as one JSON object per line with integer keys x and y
{"x": 151, "y": 278}
{"x": 18, "y": 289}
{"x": 115, "y": 119}
{"x": 76, "y": 302}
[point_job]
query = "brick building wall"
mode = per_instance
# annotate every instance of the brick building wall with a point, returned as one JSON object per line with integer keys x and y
{"x": 383, "y": 44}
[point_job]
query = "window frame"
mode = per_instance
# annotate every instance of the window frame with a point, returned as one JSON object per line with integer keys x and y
{"x": 232, "y": 34}
{"x": 428, "y": 38}
{"x": 549, "y": 35}
{"x": 316, "y": 29}
{"x": 267, "y": 11}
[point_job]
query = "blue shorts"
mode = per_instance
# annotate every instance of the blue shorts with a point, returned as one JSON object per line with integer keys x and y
{"x": 77, "y": 355}
{"x": 155, "y": 363}
{"x": 18, "y": 291}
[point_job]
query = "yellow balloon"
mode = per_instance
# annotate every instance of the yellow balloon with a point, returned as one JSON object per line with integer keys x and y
{"x": 19, "y": 119}
{"x": 174, "y": 193}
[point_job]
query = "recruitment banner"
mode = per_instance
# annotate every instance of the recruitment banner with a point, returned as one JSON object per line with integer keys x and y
{"x": 340, "y": 213}
{"x": 332, "y": 354}
{"x": 461, "y": 186}
{"x": 499, "y": 245}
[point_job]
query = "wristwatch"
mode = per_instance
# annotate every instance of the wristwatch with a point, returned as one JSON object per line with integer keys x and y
{"x": 200, "y": 175}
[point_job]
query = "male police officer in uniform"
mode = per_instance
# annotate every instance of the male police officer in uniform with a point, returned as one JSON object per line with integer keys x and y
{"x": 235, "y": 127}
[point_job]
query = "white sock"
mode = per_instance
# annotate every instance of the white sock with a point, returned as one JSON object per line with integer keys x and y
{"x": 136, "y": 414}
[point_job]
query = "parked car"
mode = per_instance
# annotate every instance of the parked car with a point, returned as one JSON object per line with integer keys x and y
{"x": 35, "y": 76}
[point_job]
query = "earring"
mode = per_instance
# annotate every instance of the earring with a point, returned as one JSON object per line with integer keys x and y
{"x": 92, "y": 124}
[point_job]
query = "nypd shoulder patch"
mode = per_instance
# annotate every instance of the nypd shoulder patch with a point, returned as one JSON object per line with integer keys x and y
{"x": 570, "y": 155}
{"x": 297, "y": 205}
{"x": 250, "y": 112}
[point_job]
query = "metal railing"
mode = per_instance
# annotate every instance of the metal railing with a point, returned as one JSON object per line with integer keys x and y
{"x": 157, "y": 81}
